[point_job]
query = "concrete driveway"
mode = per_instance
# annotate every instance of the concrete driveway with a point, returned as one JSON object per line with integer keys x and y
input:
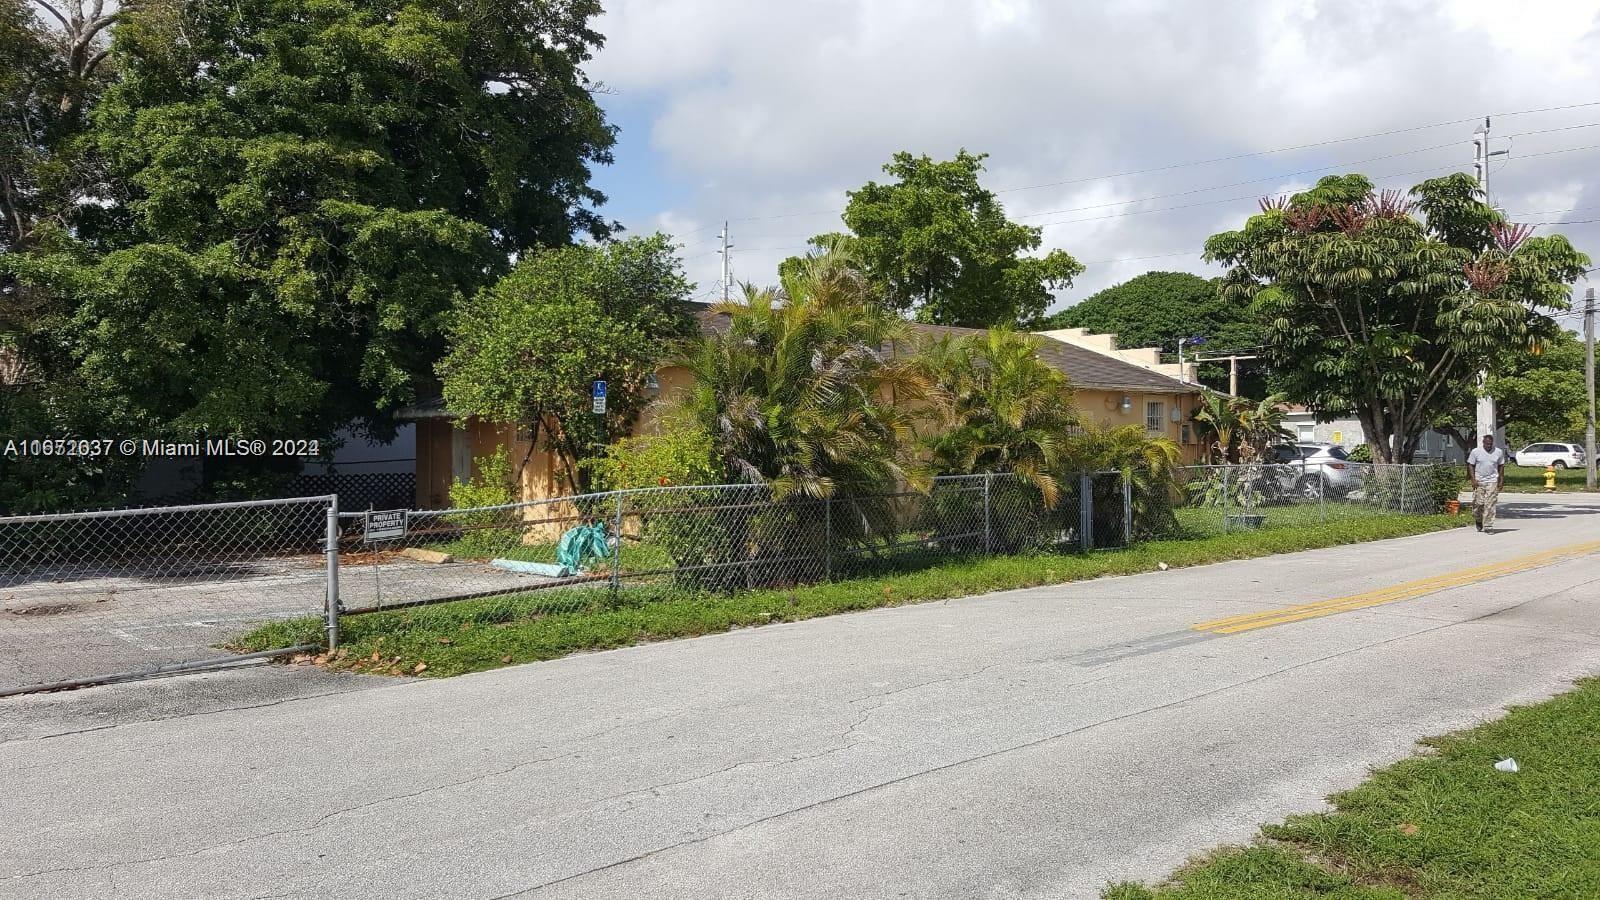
{"x": 1035, "y": 743}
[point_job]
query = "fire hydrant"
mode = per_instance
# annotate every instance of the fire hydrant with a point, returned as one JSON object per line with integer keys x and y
{"x": 1550, "y": 478}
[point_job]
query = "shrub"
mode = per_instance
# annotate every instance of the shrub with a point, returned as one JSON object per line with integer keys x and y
{"x": 1149, "y": 463}
{"x": 679, "y": 454}
{"x": 485, "y": 533}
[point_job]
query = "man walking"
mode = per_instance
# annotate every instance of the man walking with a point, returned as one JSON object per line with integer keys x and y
{"x": 1486, "y": 466}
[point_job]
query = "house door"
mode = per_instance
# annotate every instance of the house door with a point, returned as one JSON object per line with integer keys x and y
{"x": 460, "y": 455}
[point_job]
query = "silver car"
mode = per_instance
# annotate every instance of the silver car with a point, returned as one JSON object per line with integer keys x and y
{"x": 1309, "y": 469}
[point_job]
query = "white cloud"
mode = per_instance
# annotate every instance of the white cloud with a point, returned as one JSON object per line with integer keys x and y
{"x": 765, "y": 107}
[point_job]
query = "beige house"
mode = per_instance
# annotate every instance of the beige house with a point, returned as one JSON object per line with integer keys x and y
{"x": 1113, "y": 387}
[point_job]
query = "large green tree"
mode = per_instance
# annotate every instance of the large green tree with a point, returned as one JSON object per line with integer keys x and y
{"x": 53, "y": 65}
{"x": 527, "y": 350}
{"x": 1158, "y": 309}
{"x": 1540, "y": 395}
{"x": 936, "y": 242}
{"x": 295, "y": 196}
{"x": 1371, "y": 309}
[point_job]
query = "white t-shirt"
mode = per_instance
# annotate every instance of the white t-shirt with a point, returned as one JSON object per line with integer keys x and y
{"x": 1486, "y": 466}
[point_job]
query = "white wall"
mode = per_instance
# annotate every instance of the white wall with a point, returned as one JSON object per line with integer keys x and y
{"x": 1347, "y": 433}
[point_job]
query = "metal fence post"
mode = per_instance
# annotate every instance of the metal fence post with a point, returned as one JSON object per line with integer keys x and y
{"x": 988, "y": 518}
{"x": 1403, "y": 468}
{"x": 1226, "y": 491}
{"x": 1322, "y": 495}
{"x": 827, "y": 539}
{"x": 616, "y": 552}
{"x": 1127, "y": 510}
{"x": 1086, "y": 512}
{"x": 332, "y": 550}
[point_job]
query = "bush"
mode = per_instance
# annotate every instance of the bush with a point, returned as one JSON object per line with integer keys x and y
{"x": 679, "y": 454}
{"x": 1361, "y": 454}
{"x": 1412, "y": 488}
{"x": 485, "y": 533}
{"x": 1149, "y": 463}
{"x": 1441, "y": 484}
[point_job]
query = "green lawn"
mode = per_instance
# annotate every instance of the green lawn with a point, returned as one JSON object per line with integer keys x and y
{"x": 1437, "y": 826}
{"x": 472, "y": 635}
{"x": 1530, "y": 479}
{"x": 1208, "y": 520}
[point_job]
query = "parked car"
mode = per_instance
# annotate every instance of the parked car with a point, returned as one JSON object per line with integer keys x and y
{"x": 1562, "y": 456}
{"x": 1308, "y": 469}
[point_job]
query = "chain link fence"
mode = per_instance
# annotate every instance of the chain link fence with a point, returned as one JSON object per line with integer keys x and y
{"x": 572, "y": 552}
{"x": 101, "y": 596}
{"x": 1222, "y": 499}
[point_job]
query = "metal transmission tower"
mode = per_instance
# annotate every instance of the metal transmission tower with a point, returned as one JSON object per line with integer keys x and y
{"x": 1488, "y": 416}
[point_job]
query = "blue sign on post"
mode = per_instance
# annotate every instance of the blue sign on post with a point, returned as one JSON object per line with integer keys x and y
{"x": 599, "y": 398}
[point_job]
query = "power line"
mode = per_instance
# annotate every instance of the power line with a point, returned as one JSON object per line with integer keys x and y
{"x": 1362, "y": 137}
{"x": 1276, "y": 177}
{"x": 1242, "y": 198}
{"x": 1234, "y": 157}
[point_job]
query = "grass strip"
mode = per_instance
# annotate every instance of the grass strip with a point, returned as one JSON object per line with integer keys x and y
{"x": 1441, "y": 825}
{"x": 1531, "y": 480}
{"x": 474, "y": 635}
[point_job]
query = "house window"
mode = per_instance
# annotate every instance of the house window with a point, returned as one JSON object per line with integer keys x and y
{"x": 1185, "y": 437}
{"x": 1155, "y": 415}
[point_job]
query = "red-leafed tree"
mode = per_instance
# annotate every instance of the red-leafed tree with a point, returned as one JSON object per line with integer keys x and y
{"x": 1384, "y": 305}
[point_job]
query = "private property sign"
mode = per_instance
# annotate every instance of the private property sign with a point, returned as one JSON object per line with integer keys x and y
{"x": 384, "y": 525}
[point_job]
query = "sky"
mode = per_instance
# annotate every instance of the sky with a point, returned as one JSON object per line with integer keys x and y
{"x": 765, "y": 112}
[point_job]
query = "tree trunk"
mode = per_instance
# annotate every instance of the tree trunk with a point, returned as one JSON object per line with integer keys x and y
{"x": 1409, "y": 447}
{"x": 1373, "y": 423}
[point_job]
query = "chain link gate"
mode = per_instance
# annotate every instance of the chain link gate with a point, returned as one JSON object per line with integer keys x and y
{"x": 95, "y": 597}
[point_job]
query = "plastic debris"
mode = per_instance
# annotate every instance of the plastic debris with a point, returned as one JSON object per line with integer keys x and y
{"x": 1506, "y": 765}
{"x": 1163, "y": 566}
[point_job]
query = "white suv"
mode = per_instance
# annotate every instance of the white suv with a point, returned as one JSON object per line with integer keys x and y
{"x": 1563, "y": 456}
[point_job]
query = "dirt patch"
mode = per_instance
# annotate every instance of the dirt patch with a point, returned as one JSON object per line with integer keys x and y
{"x": 45, "y": 609}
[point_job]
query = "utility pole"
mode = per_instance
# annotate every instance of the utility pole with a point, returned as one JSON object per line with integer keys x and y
{"x": 1488, "y": 416}
{"x": 1588, "y": 376}
{"x": 1233, "y": 369}
{"x": 727, "y": 262}
{"x": 1233, "y": 373}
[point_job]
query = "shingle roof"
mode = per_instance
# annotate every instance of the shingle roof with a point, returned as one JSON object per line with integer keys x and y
{"x": 1085, "y": 367}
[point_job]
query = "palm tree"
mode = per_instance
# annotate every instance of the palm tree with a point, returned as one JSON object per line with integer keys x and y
{"x": 1261, "y": 424}
{"x": 796, "y": 393}
{"x": 1218, "y": 416}
{"x": 1005, "y": 409}
{"x": 1150, "y": 464}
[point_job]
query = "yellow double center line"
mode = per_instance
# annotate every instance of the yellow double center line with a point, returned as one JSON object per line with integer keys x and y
{"x": 1393, "y": 593}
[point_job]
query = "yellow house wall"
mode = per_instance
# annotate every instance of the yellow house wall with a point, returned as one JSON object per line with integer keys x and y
{"x": 1104, "y": 408}
{"x": 543, "y": 476}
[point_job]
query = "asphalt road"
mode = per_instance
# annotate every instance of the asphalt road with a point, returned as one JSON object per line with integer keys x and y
{"x": 1034, "y": 743}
